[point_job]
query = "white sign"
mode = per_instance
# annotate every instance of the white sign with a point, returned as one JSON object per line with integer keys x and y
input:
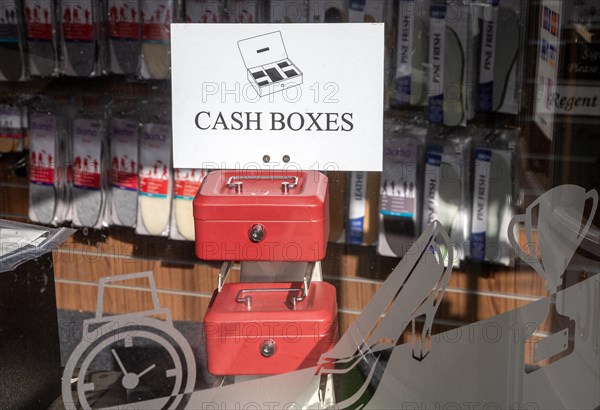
{"x": 574, "y": 100}
{"x": 274, "y": 96}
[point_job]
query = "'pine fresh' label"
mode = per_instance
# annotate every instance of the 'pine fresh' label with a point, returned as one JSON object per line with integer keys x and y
{"x": 437, "y": 46}
{"x": 480, "y": 203}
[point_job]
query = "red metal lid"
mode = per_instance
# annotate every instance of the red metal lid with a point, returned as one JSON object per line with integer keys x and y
{"x": 262, "y": 195}
{"x": 319, "y": 306}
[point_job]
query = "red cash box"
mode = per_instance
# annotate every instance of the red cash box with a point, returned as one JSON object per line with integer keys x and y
{"x": 269, "y": 328}
{"x": 262, "y": 216}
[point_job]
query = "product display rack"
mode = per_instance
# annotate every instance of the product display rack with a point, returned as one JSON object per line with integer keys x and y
{"x": 185, "y": 284}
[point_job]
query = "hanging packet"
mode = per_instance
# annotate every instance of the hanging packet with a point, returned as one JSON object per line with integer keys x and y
{"x": 493, "y": 197}
{"x": 124, "y": 36}
{"x": 156, "y": 17}
{"x": 202, "y": 11}
{"x": 89, "y": 180}
{"x": 41, "y": 36}
{"x": 48, "y": 169}
{"x": 451, "y": 63}
{"x": 288, "y": 12}
{"x": 124, "y": 156}
{"x": 11, "y": 128}
{"x": 500, "y": 56}
{"x": 327, "y": 11}
{"x": 13, "y": 65}
{"x": 187, "y": 183}
{"x": 400, "y": 189}
{"x": 155, "y": 178}
{"x": 80, "y": 22}
{"x": 412, "y": 53}
{"x": 446, "y": 189}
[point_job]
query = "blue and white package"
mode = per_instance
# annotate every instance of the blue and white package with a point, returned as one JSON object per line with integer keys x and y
{"x": 451, "y": 64}
{"x": 412, "y": 53}
{"x": 499, "y": 57}
{"x": 493, "y": 200}
{"x": 446, "y": 188}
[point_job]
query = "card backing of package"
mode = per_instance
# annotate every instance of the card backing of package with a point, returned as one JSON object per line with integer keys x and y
{"x": 124, "y": 147}
{"x": 281, "y": 11}
{"x": 327, "y": 11}
{"x": 363, "y": 208}
{"x": 124, "y": 36}
{"x": 186, "y": 186}
{"x": 11, "y": 128}
{"x": 155, "y": 180}
{"x": 79, "y": 22}
{"x": 412, "y": 53}
{"x": 500, "y": 56}
{"x": 262, "y": 215}
{"x": 89, "y": 172}
{"x": 451, "y": 64}
{"x": 337, "y": 187}
{"x": 493, "y": 198}
{"x": 156, "y": 16}
{"x": 446, "y": 188}
{"x": 400, "y": 187}
{"x": 243, "y": 11}
{"x": 48, "y": 194}
{"x": 41, "y": 36}
{"x": 202, "y": 11}
{"x": 256, "y": 306}
{"x": 13, "y": 65}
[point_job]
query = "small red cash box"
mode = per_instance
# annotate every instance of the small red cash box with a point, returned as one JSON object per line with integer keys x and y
{"x": 262, "y": 215}
{"x": 269, "y": 328}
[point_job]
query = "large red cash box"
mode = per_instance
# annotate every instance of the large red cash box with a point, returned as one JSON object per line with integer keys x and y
{"x": 270, "y": 334}
{"x": 262, "y": 216}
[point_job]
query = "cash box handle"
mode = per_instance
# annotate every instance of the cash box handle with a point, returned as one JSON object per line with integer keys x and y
{"x": 306, "y": 281}
{"x": 236, "y": 181}
{"x": 248, "y": 299}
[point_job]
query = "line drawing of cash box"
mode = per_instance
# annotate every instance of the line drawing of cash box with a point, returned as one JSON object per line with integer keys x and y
{"x": 268, "y": 67}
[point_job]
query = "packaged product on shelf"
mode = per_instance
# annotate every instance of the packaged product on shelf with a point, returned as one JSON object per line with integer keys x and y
{"x": 13, "y": 66}
{"x": 89, "y": 175}
{"x": 124, "y": 36}
{"x": 493, "y": 197}
{"x": 400, "y": 189}
{"x": 11, "y": 128}
{"x": 362, "y": 223}
{"x": 202, "y": 11}
{"x": 412, "y": 53}
{"x": 337, "y": 206}
{"x": 452, "y": 65}
{"x": 124, "y": 144}
{"x": 377, "y": 11}
{"x": 80, "y": 25}
{"x": 327, "y": 11}
{"x": 362, "y": 227}
{"x": 155, "y": 179}
{"x": 243, "y": 11}
{"x": 187, "y": 183}
{"x": 156, "y": 16}
{"x": 500, "y": 56}
{"x": 446, "y": 186}
{"x": 48, "y": 192}
{"x": 366, "y": 11}
{"x": 286, "y": 11}
{"x": 41, "y": 36}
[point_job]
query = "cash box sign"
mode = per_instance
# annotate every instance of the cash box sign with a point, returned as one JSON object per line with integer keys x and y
{"x": 308, "y": 96}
